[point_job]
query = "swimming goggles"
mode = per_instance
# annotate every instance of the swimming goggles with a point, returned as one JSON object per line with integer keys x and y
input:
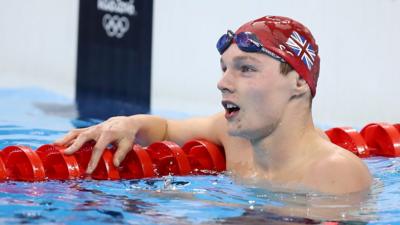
{"x": 246, "y": 41}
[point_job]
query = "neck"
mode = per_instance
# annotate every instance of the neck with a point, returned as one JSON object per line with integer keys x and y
{"x": 288, "y": 143}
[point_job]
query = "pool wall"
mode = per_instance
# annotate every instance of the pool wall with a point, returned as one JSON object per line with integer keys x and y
{"x": 358, "y": 80}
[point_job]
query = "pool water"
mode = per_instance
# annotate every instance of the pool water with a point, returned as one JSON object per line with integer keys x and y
{"x": 34, "y": 117}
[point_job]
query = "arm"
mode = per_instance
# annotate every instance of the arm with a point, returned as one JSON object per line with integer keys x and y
{"x": 142, "y": 129}
{"x": 208, "y": 128}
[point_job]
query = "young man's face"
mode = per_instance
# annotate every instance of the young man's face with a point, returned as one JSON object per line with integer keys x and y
{"x": 254, "y": 93}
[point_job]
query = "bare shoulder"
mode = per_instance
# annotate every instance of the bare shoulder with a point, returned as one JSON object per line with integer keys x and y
{"x": 339, "y": 171}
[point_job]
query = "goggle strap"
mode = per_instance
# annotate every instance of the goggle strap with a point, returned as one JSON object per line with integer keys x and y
{"x": 273, "y": 55}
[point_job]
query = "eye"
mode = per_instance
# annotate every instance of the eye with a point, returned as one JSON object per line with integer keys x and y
{"x": 247, "y": 68}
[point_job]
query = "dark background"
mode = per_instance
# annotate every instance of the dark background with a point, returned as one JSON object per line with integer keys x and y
{"x": 113, "y": 74}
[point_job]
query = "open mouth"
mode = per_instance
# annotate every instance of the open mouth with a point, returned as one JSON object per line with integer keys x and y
{"x": 230, "y": 108}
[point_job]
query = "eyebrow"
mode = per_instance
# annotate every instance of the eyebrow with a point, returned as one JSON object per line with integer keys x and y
{"x": 247, "y": 57}
{"x": 239, "y": 59}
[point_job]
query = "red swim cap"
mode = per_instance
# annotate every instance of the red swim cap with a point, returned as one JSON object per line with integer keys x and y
{"x": 290, "y": 40}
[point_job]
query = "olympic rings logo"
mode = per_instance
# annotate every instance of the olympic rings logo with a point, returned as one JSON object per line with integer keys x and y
{"x": 115, "y": 26}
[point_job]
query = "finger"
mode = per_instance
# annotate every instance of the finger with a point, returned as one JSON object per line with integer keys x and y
{"x": 69, "y": 143}
{"x": 80, "y": 140}
{"x": 124, "y": 147}
{"x": 97, "y": 152}
{"x": 69, "y": 137}
{"x": 66, "y": 144}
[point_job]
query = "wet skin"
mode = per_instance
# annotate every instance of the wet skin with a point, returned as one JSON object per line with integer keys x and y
{"x": 266, "y": 130}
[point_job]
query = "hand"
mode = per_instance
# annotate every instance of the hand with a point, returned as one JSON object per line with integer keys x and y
{"x": 120, "y": 131}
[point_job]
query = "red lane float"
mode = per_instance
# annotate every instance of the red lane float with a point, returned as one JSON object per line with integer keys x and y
{"x": 375, "y": 139}
{"x": 348, "y": 138}
{"x": 159, "y": 159}
{"x": 137, "y": 164}
{"x": 22, "y": 163}
{"x": 58, "y": 166}
{"x": 397, "y": 126}
{"x": 3, "y": 170}
{"x": 204, "y": 156}
{"x": 105, "y": 169}
{"x": 167, "y": 158}
{"x": 383, "y": 139}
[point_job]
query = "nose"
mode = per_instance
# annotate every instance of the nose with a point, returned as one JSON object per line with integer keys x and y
{"x": 225, "y": 84}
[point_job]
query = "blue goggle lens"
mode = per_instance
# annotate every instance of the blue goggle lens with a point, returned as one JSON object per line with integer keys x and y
{"x": 246, "y": 41}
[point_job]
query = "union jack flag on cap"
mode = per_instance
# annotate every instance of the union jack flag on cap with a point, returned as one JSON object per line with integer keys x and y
{"x": 302, "y": 48}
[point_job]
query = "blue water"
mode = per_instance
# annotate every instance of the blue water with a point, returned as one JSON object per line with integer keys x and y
{"x": 34, "y": 117}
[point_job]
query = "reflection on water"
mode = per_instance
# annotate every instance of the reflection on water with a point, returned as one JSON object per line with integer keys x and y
{"x": 173, "y": 200}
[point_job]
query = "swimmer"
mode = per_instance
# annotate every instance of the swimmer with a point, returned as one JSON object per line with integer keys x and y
{"x": 270, "y": 68}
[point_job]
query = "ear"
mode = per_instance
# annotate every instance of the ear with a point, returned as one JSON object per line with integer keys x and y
{"x": 301, "y": 87}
